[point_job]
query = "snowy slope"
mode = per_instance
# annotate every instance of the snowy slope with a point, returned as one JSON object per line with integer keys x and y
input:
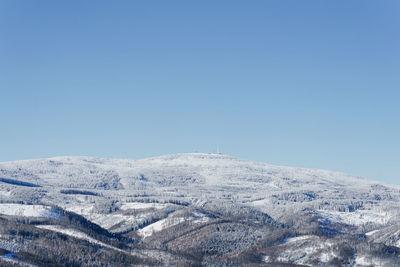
{"x": 212, "y": 176}
{"x": 76, "y": 234}
{"x": 210, "y": 169}
{"x": 28, "y": 210}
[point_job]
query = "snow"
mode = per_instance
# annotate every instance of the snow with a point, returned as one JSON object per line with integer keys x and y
{"x": 139, "y": 205}
{"x": 358, "y": 218}
{"x": 260, "y": 203}
{"x": 298, "y": 238}
{"x": 5, "y": 193}
{"x": 200, "y": 179}
{"x": 304, "y": 250}
{"x": 199, "y": 219}
{"x": 10, "y": 257}
{"x": 365, "y": 260}
{"x": 361, "y": 261}
{"x": 104, "y": 220}
{"x": 170, "y": 221}
{"x": 159, "y": 225}
{"x": 28, "y": 210}
{"x": 81, "y": 209}
{"x": 372, "y": 232}
{"x": 197, "y": 168}
{"x": 10, "y": 246}
{"x": 110, "y": 220}
{"x": 76, "y": 234}
{"x": 70, "y": 232}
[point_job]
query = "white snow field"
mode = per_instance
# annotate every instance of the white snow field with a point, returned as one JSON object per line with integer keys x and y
{"x": 28, "y": 210}
{"x": 358, "y": 217}
{"x": 171, "y": 220}
{"x": 159, "y": 225}
{"x": 142, "y": 206}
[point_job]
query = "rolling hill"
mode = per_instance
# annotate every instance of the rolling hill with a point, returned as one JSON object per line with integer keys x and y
{"x": 193, "y": 209}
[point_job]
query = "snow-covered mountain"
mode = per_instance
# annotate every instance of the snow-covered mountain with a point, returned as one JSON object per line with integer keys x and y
{"x": 232, "y": 207}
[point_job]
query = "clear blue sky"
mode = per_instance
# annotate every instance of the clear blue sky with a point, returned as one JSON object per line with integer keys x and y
{"x": 300, "y": 83}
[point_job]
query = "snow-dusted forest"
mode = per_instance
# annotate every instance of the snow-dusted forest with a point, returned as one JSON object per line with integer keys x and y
{"x": 192, "y": 209}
